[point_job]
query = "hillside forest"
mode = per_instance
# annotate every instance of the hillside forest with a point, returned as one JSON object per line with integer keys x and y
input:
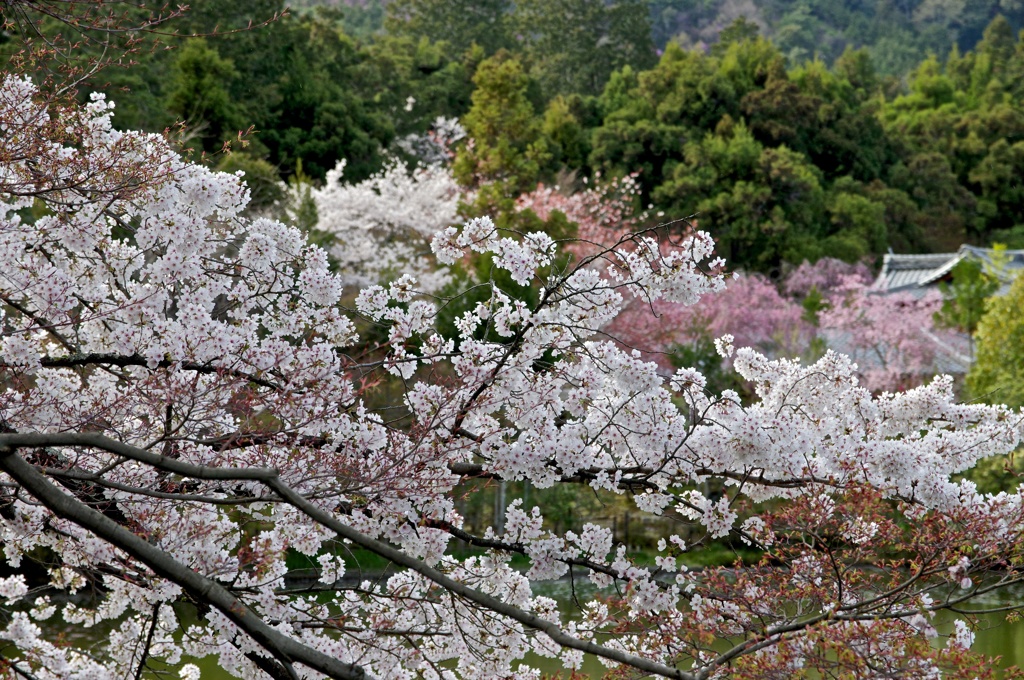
{"x": 784, "y": 153}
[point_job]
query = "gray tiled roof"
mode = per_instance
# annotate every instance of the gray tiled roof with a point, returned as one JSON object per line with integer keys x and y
{"x": 915, "y": 273}
{"x": 951, "y": 351}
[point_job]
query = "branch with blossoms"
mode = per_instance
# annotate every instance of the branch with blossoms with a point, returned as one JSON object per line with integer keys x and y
{"x": 189, "y": 407}
{"x": 281, "y": 647}
{"x": 382, "y": 226}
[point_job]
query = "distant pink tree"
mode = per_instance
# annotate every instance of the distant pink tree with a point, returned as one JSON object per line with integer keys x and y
{"x": 827, "y": 274}
{"x": 893, "y": 338}
{"x": 604, "y": 213}
{"x": 750, "y": 309}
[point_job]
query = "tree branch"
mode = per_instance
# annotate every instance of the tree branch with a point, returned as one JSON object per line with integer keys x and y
{"x": 526, "y": 618}
{"x": 122, "y": 360}
{"x": 285, "y": 649}
{"x": 99, "y": 441}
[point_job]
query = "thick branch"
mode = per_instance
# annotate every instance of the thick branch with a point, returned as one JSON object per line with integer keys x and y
{"x": 120, "y": 360}
{"x": 197, "y": 586}
{"x": 98, "y": 441}
{"x": 99, "y": 480}
{"x": 526, "y": 618}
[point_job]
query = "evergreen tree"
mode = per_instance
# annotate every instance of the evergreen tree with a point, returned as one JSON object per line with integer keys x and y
{"x": 507, "y": 151}
{"x": 575, "y": 45}
{"x": 460, "y": 23}
{"x": 199, "y": 96}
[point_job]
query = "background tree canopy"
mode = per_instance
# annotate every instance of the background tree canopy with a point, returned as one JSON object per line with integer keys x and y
{"x": 792, "y": 130}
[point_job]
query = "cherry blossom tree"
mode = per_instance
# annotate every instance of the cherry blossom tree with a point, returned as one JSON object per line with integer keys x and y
{"x": 603, "y": 213}
{"x": 826, "y": 275}
{"x": 436, "y": 146}
{"x": 749, "y": 308}
{"x": 894, "y": 337}
{"x": 187, "y": 404}
{"x": 381, "y": 227}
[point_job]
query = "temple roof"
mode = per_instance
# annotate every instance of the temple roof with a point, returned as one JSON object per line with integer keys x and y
{"x": 910, "y": 273}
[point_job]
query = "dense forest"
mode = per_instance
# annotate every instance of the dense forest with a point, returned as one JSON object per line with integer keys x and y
{"x": 898, "y": 34}
{"x": 781, "y": 153}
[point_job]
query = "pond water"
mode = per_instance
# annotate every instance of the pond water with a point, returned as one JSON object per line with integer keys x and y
{"x": 994, "y": 635}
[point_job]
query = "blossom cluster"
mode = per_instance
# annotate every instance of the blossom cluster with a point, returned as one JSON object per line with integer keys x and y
{"x": 188, "y": 407}
{"x": 381, "y": 226}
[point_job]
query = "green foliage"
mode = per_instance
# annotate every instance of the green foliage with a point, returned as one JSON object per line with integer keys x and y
{"x": 857, "y": 225}
{"x": 997, "y": 375}
{"x": 942, "y": 202}
{"x": 363, "y": 21}
{"x": 997, "y": 181}
{"x": 842, "y": 134}
{"x": 762, "y": 205}
{"x": 294, "y": 80}
{"x": 460, "y": 23}
{"x": 740, "y": 30}
{"x": 965, "y": 297}
{"x": 897, "y": 34}
{"x": 684, "y": 96}
{"x": 571, "y": 46}
{"x": 566, "y": 139}
{"x": 425, "y": 80}
{"x": 814, "y": 304}
{"x": 312, "y": 110}
{"x": 575, "y": 45}
{"x": 139, "y": 93}
{"x": 199, "y": 97}
{"x": 961, "y": 132}
{"x": 508, "y": 150}
{"x": 824, "y": 163}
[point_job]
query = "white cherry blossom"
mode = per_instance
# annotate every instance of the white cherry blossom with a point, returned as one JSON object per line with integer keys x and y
{"x": 188, "y": 408}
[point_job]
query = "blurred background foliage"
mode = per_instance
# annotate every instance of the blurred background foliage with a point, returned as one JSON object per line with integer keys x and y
{"x": 795, "y": 129}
